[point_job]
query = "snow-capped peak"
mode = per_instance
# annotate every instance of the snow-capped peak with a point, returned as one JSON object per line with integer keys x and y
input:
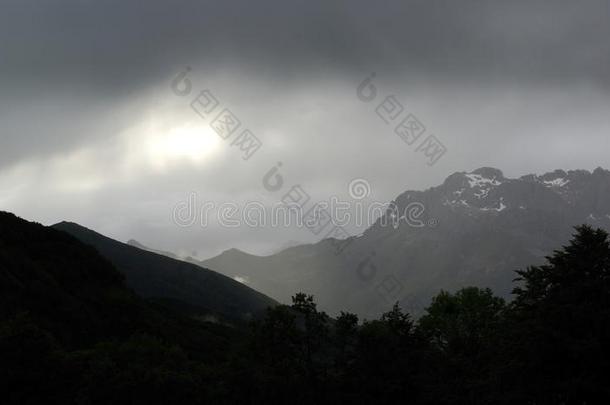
{"x": 476, "y": 180}
{"x": 558, "y": 182}
{"x": 484, "y": 176}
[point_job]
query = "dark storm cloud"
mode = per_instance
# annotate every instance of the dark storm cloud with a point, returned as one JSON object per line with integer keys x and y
{"x": 123, "y": 45}
{"x": 98, "y": 53}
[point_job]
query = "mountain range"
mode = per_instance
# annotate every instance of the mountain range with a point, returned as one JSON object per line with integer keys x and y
{"x": 478, "y": 228}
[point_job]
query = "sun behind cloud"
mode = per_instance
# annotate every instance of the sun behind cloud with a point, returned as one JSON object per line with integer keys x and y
{"x": 186, "y": 143}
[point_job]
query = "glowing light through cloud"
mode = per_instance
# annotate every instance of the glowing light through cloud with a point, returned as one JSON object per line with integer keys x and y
{"x": 192, "y": 143}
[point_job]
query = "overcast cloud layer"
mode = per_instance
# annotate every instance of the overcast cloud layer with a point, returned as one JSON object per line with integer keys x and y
{"x": 89, "y": 125}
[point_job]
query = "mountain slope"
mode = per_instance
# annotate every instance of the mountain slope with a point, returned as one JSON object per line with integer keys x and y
{"x": 479, "y": 227}
{"x": 67, "y": 289}
{"x": 72, "y": 332}
{"x": 156, "y": 276}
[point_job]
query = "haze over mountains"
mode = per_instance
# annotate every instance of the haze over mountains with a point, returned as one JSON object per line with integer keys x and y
{"x": 479, "y": 228}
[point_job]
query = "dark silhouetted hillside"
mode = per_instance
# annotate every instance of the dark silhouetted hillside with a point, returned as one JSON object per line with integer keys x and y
{"x": 156, "y": 276}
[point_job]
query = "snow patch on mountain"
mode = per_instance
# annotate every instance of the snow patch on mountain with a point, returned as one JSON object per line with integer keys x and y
{"x": 476, "y": 180}
{"x": 558, "y": 182}
{"x": 482, "y": 193}
{"x": 502, "y": 207}
{"x": 241, "y": 279}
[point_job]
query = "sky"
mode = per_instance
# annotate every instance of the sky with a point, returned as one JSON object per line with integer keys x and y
{"x": 97, "y": 124}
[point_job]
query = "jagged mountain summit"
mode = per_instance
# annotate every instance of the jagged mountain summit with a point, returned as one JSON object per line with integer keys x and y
{"x": 486, "y": 189}
{"x": 479, "y": 228}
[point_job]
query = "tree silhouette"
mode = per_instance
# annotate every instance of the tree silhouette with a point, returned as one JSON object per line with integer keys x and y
{"x": 70, "y": 332}
{"x": 560, "y": 340}
{"x": 463, "y": 322}
{"x": 462, "y": 329}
